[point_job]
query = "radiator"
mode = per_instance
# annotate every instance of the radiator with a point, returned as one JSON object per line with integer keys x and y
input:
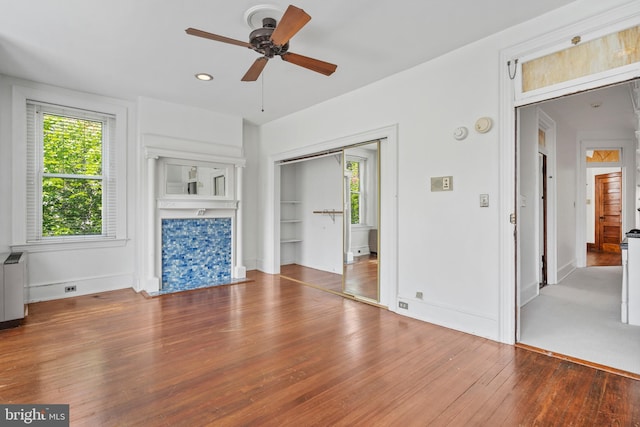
{"x": 12, "y": 284}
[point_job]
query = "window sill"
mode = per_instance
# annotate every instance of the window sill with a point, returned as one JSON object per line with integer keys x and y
{"x": 69, "y": 245}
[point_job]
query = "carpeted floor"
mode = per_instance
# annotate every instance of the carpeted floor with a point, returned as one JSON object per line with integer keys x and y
{"x": 580, "y": 317}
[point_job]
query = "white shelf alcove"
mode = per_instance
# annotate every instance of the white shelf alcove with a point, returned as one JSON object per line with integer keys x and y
{"x": 203, "y": 182}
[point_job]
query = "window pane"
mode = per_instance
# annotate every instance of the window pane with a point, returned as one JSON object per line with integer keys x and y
{"x": 71, "y": 145}
{"x": 591, "y": 57}
{"x": 71, "y": 207}
{"x": 354, "y": 188}
{"x": 354, "y": 167}
{"x": 355, "y": 208}
{"x": 603, "y": 156}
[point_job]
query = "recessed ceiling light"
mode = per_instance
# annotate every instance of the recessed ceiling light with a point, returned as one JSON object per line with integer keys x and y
{"x": 204, "y": 77}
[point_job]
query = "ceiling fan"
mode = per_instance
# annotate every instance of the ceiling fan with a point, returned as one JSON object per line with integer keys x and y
{"x": 272, "y": 40}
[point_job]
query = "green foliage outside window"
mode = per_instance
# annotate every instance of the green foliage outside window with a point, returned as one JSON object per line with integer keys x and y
{"x": 72, "y": 176}
{"x": 354, "y": 187}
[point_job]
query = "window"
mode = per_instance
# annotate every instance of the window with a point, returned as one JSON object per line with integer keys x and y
{"x": 70, "y": 174}
{"x": 356, "y": 167}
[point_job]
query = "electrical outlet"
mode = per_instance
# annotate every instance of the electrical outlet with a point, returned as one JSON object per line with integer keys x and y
{"x": 71, "y": 288}
{"x": 403, "y": 304}
{"x": 419, "y": 295}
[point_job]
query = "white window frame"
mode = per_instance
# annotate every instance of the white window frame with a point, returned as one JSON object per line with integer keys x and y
{"x": 362, "y": 168}
{"x": 27, "y": 228}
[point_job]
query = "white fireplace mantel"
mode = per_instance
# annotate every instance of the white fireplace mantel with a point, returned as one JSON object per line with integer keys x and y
{"x": 193, "y": 203}
{"x": 161, "y": 205}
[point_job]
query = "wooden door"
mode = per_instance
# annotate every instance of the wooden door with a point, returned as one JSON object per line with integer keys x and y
{"x": 608, "y": 221}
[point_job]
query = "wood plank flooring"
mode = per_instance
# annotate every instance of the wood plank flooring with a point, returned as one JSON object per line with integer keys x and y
{"x": 273, "y": 352}
{"x": 362, "y": 277}
{"x": 599, "y": 259}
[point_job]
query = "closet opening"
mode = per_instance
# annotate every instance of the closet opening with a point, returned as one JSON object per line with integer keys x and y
{"x": 329, "y": 218}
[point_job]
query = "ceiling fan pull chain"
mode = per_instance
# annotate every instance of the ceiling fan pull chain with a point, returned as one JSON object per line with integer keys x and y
{"x": 262, "y": 77}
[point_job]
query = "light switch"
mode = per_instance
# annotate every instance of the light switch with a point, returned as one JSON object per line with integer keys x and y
{"x": 484, "y": 200}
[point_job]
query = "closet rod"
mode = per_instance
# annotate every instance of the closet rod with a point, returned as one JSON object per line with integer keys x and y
{"x": 332, "y": 213}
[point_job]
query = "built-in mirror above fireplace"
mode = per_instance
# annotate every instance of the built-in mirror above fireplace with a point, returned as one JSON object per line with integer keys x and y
{"x": 195, "y": 179}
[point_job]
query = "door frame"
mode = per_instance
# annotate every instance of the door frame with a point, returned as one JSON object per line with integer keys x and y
{"x": 607, "y": 22}
{"x": 388, "y": 203}
{"x": 548, "y": 125}
{"x": 543, "y": 219}
{"x": 626, "y": 165}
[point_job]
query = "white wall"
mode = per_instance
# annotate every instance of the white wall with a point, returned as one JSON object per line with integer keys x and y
{"x": 448, "y": 247}
{"x": 5, "y": 164}
{"x": 188, "y": 123}
{"x": 320, "y": 188}
{"x": 250, "y": 136}
{"x": 566, "y": 173}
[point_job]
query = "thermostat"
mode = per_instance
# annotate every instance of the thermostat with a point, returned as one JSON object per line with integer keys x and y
{"x": 483, "y": 124}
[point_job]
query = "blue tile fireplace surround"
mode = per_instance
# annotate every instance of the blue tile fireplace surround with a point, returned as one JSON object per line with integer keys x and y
{"x": 196, "y": 253}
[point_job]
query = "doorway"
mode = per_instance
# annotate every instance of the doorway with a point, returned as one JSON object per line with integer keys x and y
{"x": 608, "y": 213}
{"x": 579, "y": 315}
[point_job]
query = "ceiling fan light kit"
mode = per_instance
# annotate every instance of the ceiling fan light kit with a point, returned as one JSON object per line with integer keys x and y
{"x": 272, "y": 39}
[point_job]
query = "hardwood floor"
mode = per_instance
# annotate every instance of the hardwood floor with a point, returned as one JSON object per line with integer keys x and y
{"x": 275, "y": 352}
{"x": 599, "y": 259}
{"x": 362, "y": 277}
{"x": 311, "y": 276}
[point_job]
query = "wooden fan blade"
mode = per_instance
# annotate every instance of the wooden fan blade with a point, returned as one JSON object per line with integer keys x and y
{"x": 211, "y": 36}
{"x": 292, "y": 21}
{"x": 255, "y": 70}
{"x": 312, "y": 64}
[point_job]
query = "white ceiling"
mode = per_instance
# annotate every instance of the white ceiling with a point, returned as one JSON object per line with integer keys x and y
{"x": 605, "y": 109}
{"x": 131, "y": 48}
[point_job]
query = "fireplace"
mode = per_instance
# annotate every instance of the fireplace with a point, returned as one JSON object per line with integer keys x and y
{"x": 196, "y": 252}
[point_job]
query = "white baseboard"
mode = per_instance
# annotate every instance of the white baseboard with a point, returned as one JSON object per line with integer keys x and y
{"x": 82, "y": 287}
{"x": 361, "y": 250}
{"x": 450, "y": 317}
{"x": 528, "y": 293}
{"x": 566, "y": 270}
{"x": 251, "y": 264}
